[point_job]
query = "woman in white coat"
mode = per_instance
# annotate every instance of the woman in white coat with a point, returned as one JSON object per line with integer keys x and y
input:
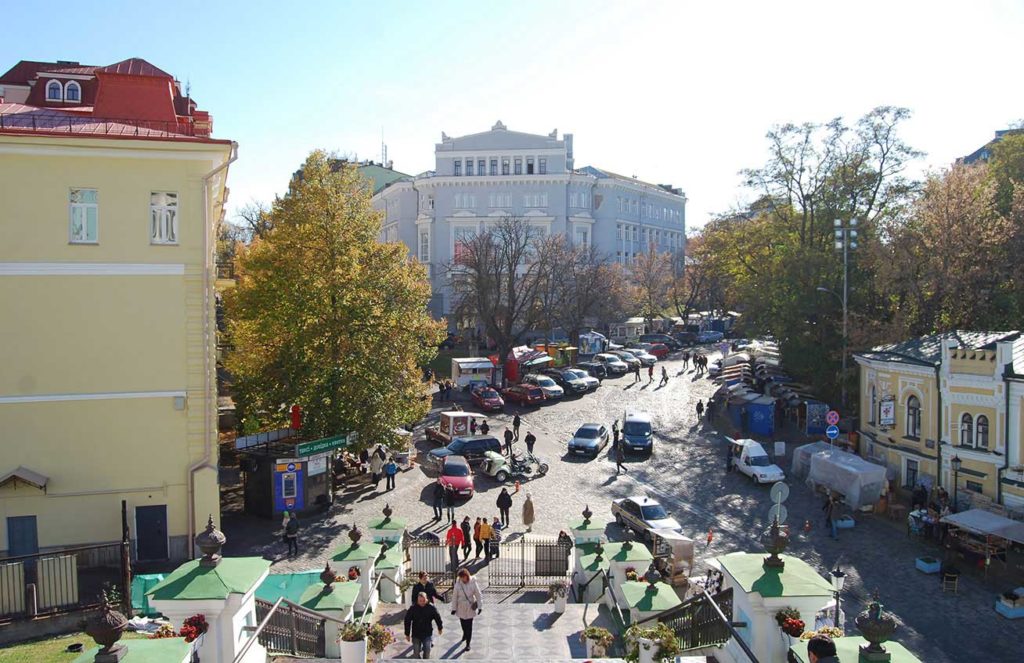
{"x": 376, "y": 467}
{"x": 466, "y": 600}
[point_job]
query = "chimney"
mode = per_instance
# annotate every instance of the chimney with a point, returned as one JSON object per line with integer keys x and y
{"x": 568, "y": 152}
{"x": 391, "y": 164}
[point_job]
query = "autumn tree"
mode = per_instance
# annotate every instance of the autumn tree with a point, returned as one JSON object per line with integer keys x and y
{"x": 651, "y": 275}
{"x": 326, "y": 317}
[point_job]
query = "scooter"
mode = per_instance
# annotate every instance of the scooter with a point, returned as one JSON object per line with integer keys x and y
{"x": 520, "y": 467}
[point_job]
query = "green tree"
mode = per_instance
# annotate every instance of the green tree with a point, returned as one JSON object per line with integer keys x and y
{"x": 326, "y": 317}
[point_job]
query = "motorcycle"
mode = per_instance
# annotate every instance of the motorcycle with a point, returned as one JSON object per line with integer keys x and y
{"x": 522, "y": 466}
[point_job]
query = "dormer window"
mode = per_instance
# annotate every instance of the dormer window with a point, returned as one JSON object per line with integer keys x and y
{"x": 54, "y": 91}
{"x": 73, "y": 92}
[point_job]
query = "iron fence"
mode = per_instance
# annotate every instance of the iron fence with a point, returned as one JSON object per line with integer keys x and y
{"x": 290, "y": 629}
{"x": 49, "y": 121}
{"x": 63, "y": 580}
{"x": 432, "y": 558}
{"x": 533, "y": 562}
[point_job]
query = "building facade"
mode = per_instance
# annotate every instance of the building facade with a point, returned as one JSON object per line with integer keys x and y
{"x": 481, "y": 178}
{"x": 959, "y": 395}
{"x": 111, "y": 186}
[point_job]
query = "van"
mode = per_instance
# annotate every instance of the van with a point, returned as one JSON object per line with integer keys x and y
{"x": 637, "y": 432}
{"x": 750, "y": 458}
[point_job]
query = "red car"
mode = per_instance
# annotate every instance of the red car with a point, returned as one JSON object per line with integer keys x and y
{"x": 524, "y": 394}
{"x": 455, "y": 472}
{"x": 488, "y": 400}
{"x": 659, "y": 350}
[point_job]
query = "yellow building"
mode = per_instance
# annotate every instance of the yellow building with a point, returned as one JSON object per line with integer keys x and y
{"x": 930, "y": 401}
{"x": 107, "y": 392}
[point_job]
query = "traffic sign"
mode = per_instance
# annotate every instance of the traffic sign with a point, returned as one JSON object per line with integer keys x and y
{"x": 832, "y": 432}
{"x": 832, "y": 417}
{"x": 778, "y": 511}
{"x": 780, "y": 491}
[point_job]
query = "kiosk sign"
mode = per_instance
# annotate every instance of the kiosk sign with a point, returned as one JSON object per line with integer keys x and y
{"x": 320, "y": 446}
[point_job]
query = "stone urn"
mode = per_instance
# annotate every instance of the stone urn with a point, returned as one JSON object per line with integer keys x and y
{"x": 775, "y": 540}
{"x": 327, "y": 577}
{"x": 106, "y": 629}
{"x": 877, "y": 627}
{"x": 354, "y": 535}
{"x": 209, "y": 542}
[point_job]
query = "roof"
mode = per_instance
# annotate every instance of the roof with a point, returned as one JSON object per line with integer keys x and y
{"x": 392, "y": 523}
{"x": 618, "y": 552}
{"x": 394, "y": 558}
{"x": 356, "y": 553}
{"x": 134, "y": 67}
{"x": 19, "y": 118}
{"x": 797, "y": 578}
{"x": 984, "y": 522}
{"x": 192, "y": 582}
{"x": 379, "y": 176}
{"x": 642, "y": 596}
{"x": 592, "y": 525}
{"x": 927, "y": 350}
{"x": 848, "y": 651}
{"x": 159, "y": 650}
{"x": 25, "y": 475}
{"x": 602, "y": 173}
{"x": 26, "y": 70}
{"x": 288, "y": 585}
{"x": 342, "y": 596}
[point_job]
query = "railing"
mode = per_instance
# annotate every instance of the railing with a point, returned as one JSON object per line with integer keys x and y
{"x": 609, "y": 587}
{"x": 529, "y": 563}
{"x": 290, "y": 630}
{"x": 50, "y": 121}
{"x": 704, "y": 621}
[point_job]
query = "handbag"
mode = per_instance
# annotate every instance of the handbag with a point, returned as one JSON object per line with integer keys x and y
{"x": 472, "y": 604}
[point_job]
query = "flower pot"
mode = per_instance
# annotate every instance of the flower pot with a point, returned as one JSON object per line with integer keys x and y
{"x": 560, "y": 602}
{"x": 353, "y": 652}
{"x": 595, "y": 649}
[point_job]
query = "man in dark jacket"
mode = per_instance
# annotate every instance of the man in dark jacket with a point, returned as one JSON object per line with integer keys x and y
{"x": 531, "y": 440}
{"x": 438, "y": 501}
{"x": 821, "y": 649}
{"x": 504, "y": 505}
{"x": 508, "y": 442}
{"x": 515, "y": 426}
{"x": 449, "y": 501}
{"x": 419, "y": 627}
{"x": 424, "y": 586}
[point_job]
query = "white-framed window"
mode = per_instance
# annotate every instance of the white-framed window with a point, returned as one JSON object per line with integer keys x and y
{"x": 83, "y": 216}
{"x": 469, "y": 168}
{"x": 542, "y": 165}
{"x": 504, "y": 165}
{"x": 163, "y": 217}
{"x": 458, "y": 168}
{"x": 529, "y": 165}
{"x": 481, "y": 166}
{"x": 54, "y": 91}
{"x": 424, "y": 246}
{"x": 910, "y": 474}
{"x": 462, "y": 237}
{"x": 981, "y": 432}
{"x": 519, "y": 166}
{"x": 967, "y": 430}
{"x": 73, "y": 92}
{"x": 494, "y": 166}
{"x": 913, "y": 417}
{"x": 618, "y": 231}
{"x": 582, "y": 237}
{"x": 427, "y": 202}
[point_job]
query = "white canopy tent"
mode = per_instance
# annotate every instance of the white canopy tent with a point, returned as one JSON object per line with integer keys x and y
{"x": 986, "y": 523}
{"x": 859, "y": 482}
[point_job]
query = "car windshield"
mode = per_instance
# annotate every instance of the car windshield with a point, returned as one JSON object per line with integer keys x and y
{"x": 626, "y": 355}
{"x": 457, "y": 446}
{"x": 455, "y": 470}
{"x": 653, "y": 512}
{"x": 636, "y": 428}
{"x": 488, "y": 393}
{"x": 576, "y": 374}
{"x": 545, "y": 382}
{"x": 759, "y": 461}
{"x": 535, "y": 392}
{"x": 586, "y": 432}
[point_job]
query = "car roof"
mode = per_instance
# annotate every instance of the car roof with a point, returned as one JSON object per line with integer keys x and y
{"x": 470, "y": 438}
{"x": 455, "y": 460}
{"x": 636, "y": 416}
{"x": 642, "y": 500}
{"x": 594, "y": 426}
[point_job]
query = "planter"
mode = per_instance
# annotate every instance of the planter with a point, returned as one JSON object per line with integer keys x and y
{"x": 353, "y": 652}
{"x": 928, "y": 564}
{"x": 647, "y": 650}
{"x": 595, "y": 649}
{"x": 845, "y": 522}
{"x": 560, "y": 602}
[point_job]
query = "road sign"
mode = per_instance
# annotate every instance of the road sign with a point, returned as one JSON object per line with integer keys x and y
{"x": 319, "y": 446}
{"x": 778, "y": 511}
{"x": 832, "y": 417}
{"x": 780, "y": 492}
{"x": 832, "y": 432}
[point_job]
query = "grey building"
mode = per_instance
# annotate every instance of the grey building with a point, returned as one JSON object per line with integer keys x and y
{"x": 984, "y": 153}
{"x": 481, "y": 178}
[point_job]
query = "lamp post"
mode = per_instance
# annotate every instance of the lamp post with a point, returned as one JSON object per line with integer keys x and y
{"x": 842, "y": 302}
{"x": 955, "y": 463}
{"x": 845, "y": 241}
{"x": 838, "y": 578}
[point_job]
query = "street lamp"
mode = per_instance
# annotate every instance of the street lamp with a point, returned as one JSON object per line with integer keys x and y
{"x": 838, "y": 578}
{"x": 955, "y": 463}
{"x": 842, "y": 302}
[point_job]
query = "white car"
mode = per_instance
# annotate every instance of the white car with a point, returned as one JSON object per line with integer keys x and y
{"x": 547, "y": 385}
{"x": 645, "y": 357}
{"x": 587, "y": 379}
{"x": 612, "y": 363}
{"x": 750, "y": 458}
{"x": 642, "y": 515}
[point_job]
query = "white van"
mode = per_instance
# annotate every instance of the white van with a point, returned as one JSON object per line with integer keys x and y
{"x": 750, "y": 458}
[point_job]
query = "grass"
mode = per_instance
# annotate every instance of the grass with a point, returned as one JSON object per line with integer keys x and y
{"x": 51, "y": 650}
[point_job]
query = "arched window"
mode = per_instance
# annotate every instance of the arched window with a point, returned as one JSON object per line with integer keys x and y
{"x": 966, "y": 430}
{"x": 73, "y": 92}
{"x": 913, "y": 417}
{"x": 981, "y": 434}
{"x": 54, "y": 91}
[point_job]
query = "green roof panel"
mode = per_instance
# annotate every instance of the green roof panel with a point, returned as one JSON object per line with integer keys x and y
{"x": 636, "y": 552}
{"x": 192, "y": 582}
{"x": 162, "y": 650}
{"x": 641, "y": 596}
{"x": 343, "y": 596}
{"x": 798, "y": 578}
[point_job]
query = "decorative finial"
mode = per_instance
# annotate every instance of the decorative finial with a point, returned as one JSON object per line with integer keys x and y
{"x": 775, "y": 541}
{"x": 354, "y": 535}
{"x": 627, "y": 540}
{"x": 877, "y": 627}
{"x": 327, "y": 577}
{"x": 210, "y": 541}
{"x": 498, "y": 126}
{"x": 387, "y": 512}
{"x": 653, "y": 577}
{"x": 106, "y": 628}
{"x": 587, "y": 513}
{"x": 599, "y": 550}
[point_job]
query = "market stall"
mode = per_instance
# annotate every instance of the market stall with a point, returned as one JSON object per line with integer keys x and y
{"x": 982, "y": 535}
{"x": 859, "y": 482}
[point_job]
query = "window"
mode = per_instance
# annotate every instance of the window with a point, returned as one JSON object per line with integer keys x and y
{"x": 54, "y": 91}
{"x": 73, "y": 92}
{"x": 289, "y": 485}
{"x": 504, "y": 165}
{"x": 163, "y": 218}
{"x": 974, "y": 486}
{"x": 469, "y": 167}
{"x": 424, "y": 246}
{"x": 542, "y": 165}
{"x": 966, "y": 430}
{"x": 481, "y": 167}
{"x": 582, "y": 235}
{"x": 910, "y": 476}
{"x": 913, "y": 417}
{"x": 458, "y": 168}
{"x": 463, "y": 236}
{"x": 83, "y": 208}
{"x": 981, "y": 434}
{"x": 519, "y": 166}
{"x": 494, "y": 166}
{"x": 874, "y": 405}
{"x": 529, "y": 165}
{"x": 618, "y": 231}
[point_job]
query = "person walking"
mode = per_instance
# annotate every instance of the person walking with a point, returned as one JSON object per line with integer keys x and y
{"x": 364, "y": 460}
{"x": 390, "y": 470}
{"x": 620, "y": 457}
{"x": 466, "y": 604}
{"x": 424, "y": 586}
{"x": 291, "y": 533}
{"x": 664, "y": 377}
{"x": 495, "y": 544}
{"x": 700, "y": 410}
{"x": 477, "y": 542}
{"x": 486, "y": 532}
{"x": 484, "y": 428}
{"x": 449, "y": 501}
{"x": 531, "y": 440}
{"x": 438, "y": 501}
{"x": 420, "y": 618}
{"x": 728, "y": 459}
{"x": 516, "y": 421}
{"x": 472, "y": 426}
{"x": 376, "y": 468}
{"x": 528, "y": 514}
{"x": 686, "y": 359}
{"x": 650, "y": 374}
{"x": 830, "y": 516}
{"x": 504, "y": 503}
{"x": 636, "y": 374}
{"x": 453, "y": 539}
{"x": 508, "y": 443}
{"x": 615, "y": 430}
{"x": 467, "y": 537}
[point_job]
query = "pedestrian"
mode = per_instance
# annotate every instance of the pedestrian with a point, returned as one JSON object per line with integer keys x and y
{"x": 700, "y": 410}
{"x": 636, "y": 374}
{"x": 528, "y": 514}
{"x": 485, "y": 538}
{"x": 472, "y": 426}
{"x": 821, "y": 649}
{"x": 496, "y": 528}
{"x": 615, "y": 430}
{"x": 453, "y": 539}
{"x": 467, "y": 537}
{"x": 620, "y": 457}
{"x": 711, "y": 537}
{"x": 504, "y": 504}
{"x": 516, "y": 421}
{"x": 477, "y": 541}
{"x": 419, "y": 625}
{"x": 650, "y": 374}
{"x": 484, "y": 428}
{"x": 376, "y": 468}
{"x": 728, "y": 459}
{"x": 531, "y": 440}
{"x": 830, "y": 520}
{"x": 686, "y": 359}
{"x": 390, "y": 470}
{"x": 424, "y": 586}
{"x": 449, "y": 501}
{"x": 664, "y": 377}
{"x": 438, "y": 501}
{"x": 291, "y": 533}
{"x": 466, "y": 600}
{"x": 364, "y": 460}
{"x": 508, "y": 442}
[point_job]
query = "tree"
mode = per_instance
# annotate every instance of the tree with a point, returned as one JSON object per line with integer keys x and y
{"x": 586, "y": 288}
{"x": 255, "y": 220}
{"x": 651, "y": 276}
{"x": 326, "y": 317}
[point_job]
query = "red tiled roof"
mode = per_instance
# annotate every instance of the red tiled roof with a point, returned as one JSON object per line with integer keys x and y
{"x": 69, "y": 70}
{"x": 134, "y": 67}
{"x": 19, "y": 118}
{"x": 26, "y": 70}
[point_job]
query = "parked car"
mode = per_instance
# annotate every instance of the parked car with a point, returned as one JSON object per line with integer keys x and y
{"x": 589, "y": 439}
{"x": 488, "y": 399}
{"x": 523, "y": 394}
{"x": 710, "y": 336}
{"x": 645, "y": 357}
{"x": 685, "y": 338}
{"x": 470, "y": 447}
{"x": 659, "y": 350}
{"x": 550, "y": 388}
{"x": 670, "y": 342}
{"x": 637, "y": 432}
{"x": 750, "y": 458}
{"x": 455, "y": 472}
{"x": 595, "y": 369}
{"x": 643, "y": 515}
{"x": 589, "y": 381}
{"x": 628, "y": 358}
{"x": 612, "y": 363}
{"x": 567, "y": 380}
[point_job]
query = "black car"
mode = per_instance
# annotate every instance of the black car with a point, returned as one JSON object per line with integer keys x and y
{"x": 599, "y": 371}
{"x": 471, "y": 447}
{"x": 672, "y": 343}
{"x": 685, "y": 338}
{"x": 570, "y": 383}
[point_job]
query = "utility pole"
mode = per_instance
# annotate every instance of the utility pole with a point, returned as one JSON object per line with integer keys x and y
{"x": 845, "y": 241}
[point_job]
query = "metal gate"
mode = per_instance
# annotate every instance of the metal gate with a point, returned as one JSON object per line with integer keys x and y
{"x": 533, "y": 562}
{"x": 433, "y": 558}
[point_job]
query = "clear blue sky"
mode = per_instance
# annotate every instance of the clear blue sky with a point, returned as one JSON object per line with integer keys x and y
{"x": 679, "y": 92}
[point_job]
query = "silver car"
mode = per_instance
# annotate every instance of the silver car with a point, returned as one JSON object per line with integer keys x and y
{"x": 627, "y": 358}
{"x": 589, "y": 439}
{"x": 588, "y": 380}
{"x": 547, "y": 385}
{"x": 642, "y": 515}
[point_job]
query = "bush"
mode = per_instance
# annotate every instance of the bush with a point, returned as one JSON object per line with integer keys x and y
{"x": 663, "y": 637}
{"x": 601, "y": 636}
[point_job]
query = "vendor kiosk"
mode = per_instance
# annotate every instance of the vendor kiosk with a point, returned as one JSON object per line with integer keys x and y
{"x": 289, "y": 475}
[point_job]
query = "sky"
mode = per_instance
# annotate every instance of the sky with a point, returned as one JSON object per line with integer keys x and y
{"x": 672, "y": 92}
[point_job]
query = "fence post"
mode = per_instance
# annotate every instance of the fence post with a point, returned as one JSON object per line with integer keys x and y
{"x": 295, "y": 638}
{"x": 126, "y": 562}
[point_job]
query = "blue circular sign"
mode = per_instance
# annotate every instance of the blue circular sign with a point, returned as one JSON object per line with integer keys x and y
{"x": 291, "y": 466}
{"x": 832, "y": 432}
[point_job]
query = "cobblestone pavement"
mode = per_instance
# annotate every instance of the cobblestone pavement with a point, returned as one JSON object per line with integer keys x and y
{"x": 687, "y": 474}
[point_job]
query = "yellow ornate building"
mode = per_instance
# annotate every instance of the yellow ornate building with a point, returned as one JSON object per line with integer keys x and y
{"x": 931, "y": 403}
{"x": 107, "y": 392}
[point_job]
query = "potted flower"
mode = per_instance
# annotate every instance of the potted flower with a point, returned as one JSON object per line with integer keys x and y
{"x": 631, "y": 574}
{"x": 831, "y": 631}
{"x": 193, "y": 628}
{"x": 597, "y": 640}
{"x": 378, "y": 637}
{"x": 352, "y": 643}
{"x": 789, "y": 621}
{"x": 647, "y": 644}
{"x": 353, "y": 573}
{"x": 559, "y": 591}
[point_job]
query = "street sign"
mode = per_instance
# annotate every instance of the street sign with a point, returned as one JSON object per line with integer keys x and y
{"x": 778, "y": 511}
{"x": 780, "y": 491}
{"x": 832, "y": 417}
{"x": 832, "y": 432}
{"x": 319, "y": 446}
